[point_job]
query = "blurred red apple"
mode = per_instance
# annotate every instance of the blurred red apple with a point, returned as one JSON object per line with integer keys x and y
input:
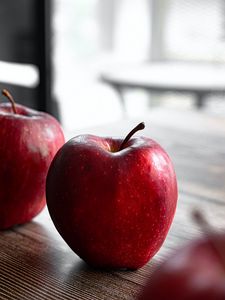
{"x": 29, "y": 141}
{"x": 111, "y": 200}
{"x": 194, "y": 272}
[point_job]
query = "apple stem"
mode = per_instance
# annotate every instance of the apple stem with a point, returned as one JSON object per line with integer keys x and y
{"x": 140, "y": 126}
{"x": 208, "y": 230}
{"x": 10, "y": 98}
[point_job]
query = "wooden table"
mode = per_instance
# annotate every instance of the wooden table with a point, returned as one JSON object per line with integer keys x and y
{"x": 35, "y": 263}
{"x": 198, "y": 79}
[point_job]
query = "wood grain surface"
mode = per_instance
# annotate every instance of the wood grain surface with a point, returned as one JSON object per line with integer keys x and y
{"x": 35, "y": 262}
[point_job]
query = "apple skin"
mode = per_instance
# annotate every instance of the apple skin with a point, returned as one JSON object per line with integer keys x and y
{"x": 195, "y": 272}
{"x": 113, "y": 208}
{"x": 29, "y": 141}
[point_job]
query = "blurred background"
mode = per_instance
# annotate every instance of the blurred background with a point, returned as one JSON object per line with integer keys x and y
{"x": 90, "y": 62}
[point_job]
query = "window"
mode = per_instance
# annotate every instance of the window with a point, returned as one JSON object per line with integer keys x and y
{"x": 195, "y": 30}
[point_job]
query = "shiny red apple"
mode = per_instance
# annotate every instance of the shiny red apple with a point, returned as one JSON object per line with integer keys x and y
{"x": 29, "y": 141}
{"x": 194, "y": 272}
{"x": 111, "y": 200}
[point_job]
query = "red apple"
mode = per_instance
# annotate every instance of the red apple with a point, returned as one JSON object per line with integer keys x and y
{"x": 112, "y": 201}
{"x": 194, "y": 272}
{"x": 29, "y": 141}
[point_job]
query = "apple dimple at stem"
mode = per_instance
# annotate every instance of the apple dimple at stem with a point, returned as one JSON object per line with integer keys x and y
{"x": 14, "y": 110}
{"x": 140, "y": 126}
{"x": 10, "y": 98}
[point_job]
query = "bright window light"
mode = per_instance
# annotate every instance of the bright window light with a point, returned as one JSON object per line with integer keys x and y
{"x": 19, "y": 74}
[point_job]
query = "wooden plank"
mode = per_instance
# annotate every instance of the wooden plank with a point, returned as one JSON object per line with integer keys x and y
{"x": 36, "y": 261}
